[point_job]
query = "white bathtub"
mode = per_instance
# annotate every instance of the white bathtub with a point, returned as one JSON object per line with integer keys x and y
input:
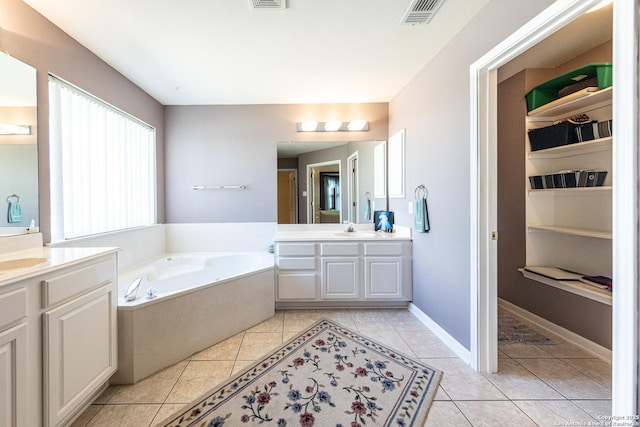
{"x": 200, "y": 299}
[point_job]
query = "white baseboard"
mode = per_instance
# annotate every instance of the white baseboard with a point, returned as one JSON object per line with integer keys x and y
{"x": 575, "y": 339}
{"x": 443, "y": 335}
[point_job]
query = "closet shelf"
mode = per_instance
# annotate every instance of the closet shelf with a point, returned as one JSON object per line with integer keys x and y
{"x": 577, "y": 191}
{"x": 573, "y": 286}
{"x": 571, "y": 231}
{"x": 586, "y": 147}
{"x": 577, "y": 102}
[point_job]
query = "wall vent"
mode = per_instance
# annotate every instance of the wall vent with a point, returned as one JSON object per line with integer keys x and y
{"x": 267, "y": 4}
{"x": 420, "y": 12}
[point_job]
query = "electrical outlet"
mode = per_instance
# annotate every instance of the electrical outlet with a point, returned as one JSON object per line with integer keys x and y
{"x": 410, "y": 207}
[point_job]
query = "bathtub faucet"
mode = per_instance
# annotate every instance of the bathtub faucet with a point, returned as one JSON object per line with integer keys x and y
{"x": 151, "y": 293}
{"x": 132, "y": 290}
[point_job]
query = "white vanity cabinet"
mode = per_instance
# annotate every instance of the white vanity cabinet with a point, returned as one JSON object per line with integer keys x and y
{"x": 58, "y": 337}
{"x": 13, "y": 357}
{"x": 79, "y": 336}
{"x": 338, "y": 273}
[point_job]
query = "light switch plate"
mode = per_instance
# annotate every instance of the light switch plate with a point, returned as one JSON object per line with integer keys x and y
{"x": 410, "y": 207}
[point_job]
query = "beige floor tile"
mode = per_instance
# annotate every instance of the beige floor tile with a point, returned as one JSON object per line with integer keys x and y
{"x": 565, "y": 350}
{"x": 389, "y": 338}
{"x": 298, "y": 320}
{"x": 107, "y": 395}
{"x": 597, "y": 369}
{"x": 273, "y": 324}
{"x": 516, "y": 382}
{"x": 257, "y": 344}
{"x": 521, "y": 351}
{"x": 494, "y": 414}
{"x": 241, "y": 365}
{"x": 554, "y": 412}
{"x": 567, "y": 380}
{"x": 369, "y": 318}
{"x": 399, "y": 315}
{"x": 441, "y": 394}
{"x": 445, "y": 414}
{"x": 124, "y": 416}
{"x": 153, "y": 389}
{"x": 341, "y": 317}
{"x": 224, "y": 350}
{"x": 462, "y": 383}
{"x": 598, "y": 409}
{"x": 86, "y": 416}
{"x": 198, "y": 378}
{"x": 167, "y": 410}
{"x": 426, "y": 345}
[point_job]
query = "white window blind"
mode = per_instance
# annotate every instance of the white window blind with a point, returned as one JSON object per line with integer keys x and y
{"x": 102, "y": 165}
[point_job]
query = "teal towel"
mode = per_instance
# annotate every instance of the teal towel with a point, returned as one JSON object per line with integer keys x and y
{"x": 15, "y": 212}
{"x": 367, "y": 209}
{"x": 421, "y": 219}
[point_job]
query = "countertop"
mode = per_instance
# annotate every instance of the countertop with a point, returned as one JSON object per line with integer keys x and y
{"x": 319, "y": 232}
{"x": 57, "y": 258}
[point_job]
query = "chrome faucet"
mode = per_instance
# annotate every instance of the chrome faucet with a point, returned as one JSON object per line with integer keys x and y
{"x": 132, "y": 291}
{"x": 350, "y": 228}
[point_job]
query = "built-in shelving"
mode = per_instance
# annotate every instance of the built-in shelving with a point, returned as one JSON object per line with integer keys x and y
{"x": 570, "y": 227}
{"x": 586, "y": 99}
{"x": 577, "y": 191}
{"x": 586, "y": 147}
{"x": 571, "y": 231}
{"x": 573, "y": 286}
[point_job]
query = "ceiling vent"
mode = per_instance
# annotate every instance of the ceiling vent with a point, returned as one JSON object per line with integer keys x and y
{"x": 267, "y": 4}
{"x": 420, "y": 12}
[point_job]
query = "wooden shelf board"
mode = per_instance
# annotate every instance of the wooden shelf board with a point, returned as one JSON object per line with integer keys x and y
{"x": 577, "y": 191}
{"x": 572, "y": 286}
{"x": 573, "y": 103}
{"x": 586, "y": 147}
{"x": 607, "y": 235}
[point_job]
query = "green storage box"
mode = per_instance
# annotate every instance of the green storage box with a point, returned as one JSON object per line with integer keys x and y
{"x": 548, "y": 91}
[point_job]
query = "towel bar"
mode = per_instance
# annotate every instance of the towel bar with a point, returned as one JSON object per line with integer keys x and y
{"x": 219, "y": 187}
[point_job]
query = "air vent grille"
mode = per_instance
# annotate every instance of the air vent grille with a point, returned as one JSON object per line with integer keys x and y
{"x": 267, "y": 4}
{"x": 420, "y": 11}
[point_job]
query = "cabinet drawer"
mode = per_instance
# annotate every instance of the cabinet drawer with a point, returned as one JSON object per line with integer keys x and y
{"x": 297, "y": 263}
{"x": 60, "y": 288}
{"x": 296, "y": 286}
{"x": 296, "y": 249}
{"x": 383, "y": 248}
{"x": 13, "y": 307}
{"x": 340, "y": 249}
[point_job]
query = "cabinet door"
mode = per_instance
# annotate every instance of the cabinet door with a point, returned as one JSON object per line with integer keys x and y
{"x": 80, "y": 352}
{"x": 340, "y": 278}
{"x": 13, "y": 376}
{"x": 383, "y": 278}
{"x": 296, "y": 286}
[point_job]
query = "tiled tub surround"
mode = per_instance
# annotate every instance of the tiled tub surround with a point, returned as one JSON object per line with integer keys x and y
{"x": 157, "y": 333}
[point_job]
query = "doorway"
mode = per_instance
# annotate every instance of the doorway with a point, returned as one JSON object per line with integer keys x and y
{"x": 483, "y": 164}
{"x": 287, "y": 196}
{"x": 324, "y": 189}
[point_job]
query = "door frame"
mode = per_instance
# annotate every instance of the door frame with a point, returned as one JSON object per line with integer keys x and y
{"x": 311, "y": 188}
{"x": 483, "y": 199}
{"x": 353, "y": 179}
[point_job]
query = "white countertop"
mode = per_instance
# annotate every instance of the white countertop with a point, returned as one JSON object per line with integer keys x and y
{"x": 336, "y": 232}
{"x": 56, "y": 258}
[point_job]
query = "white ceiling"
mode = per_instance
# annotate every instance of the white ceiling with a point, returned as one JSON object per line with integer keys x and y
{"x": 189, "y": 52}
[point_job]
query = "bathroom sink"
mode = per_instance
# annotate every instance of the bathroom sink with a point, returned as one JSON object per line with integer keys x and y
{"x": 12, "y": 264}
{"x": 356, "y": 234}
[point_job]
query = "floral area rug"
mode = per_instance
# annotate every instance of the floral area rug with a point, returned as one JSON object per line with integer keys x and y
{"x": 513, "y": 331}
{"x": 326, "y": 376}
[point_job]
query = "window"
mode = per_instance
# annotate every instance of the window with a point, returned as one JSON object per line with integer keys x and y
{"x": 102, "y": 165}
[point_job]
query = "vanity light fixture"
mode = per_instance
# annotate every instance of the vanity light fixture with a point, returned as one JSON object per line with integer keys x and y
{"x": 7, "y": 129}
{"x": 333, "y": 126}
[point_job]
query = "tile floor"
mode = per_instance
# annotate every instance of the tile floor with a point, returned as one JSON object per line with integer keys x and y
{"x": 544, "y": 385}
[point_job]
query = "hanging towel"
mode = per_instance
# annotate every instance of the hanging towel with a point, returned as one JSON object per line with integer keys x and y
{"x": 421, "y": 219}
{"x": 15, "y": 210}
{"x": 367, "y": 209}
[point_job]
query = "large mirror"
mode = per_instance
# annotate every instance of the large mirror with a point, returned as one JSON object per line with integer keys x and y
{"x": 18, "y": 146}
{"x": 328, "y": 182}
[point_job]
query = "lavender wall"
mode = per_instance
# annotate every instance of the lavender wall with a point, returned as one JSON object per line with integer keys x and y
{"x": 29, "y": 37}
{"x": 236, "y": 145}
{"x": 434, "y": 109}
